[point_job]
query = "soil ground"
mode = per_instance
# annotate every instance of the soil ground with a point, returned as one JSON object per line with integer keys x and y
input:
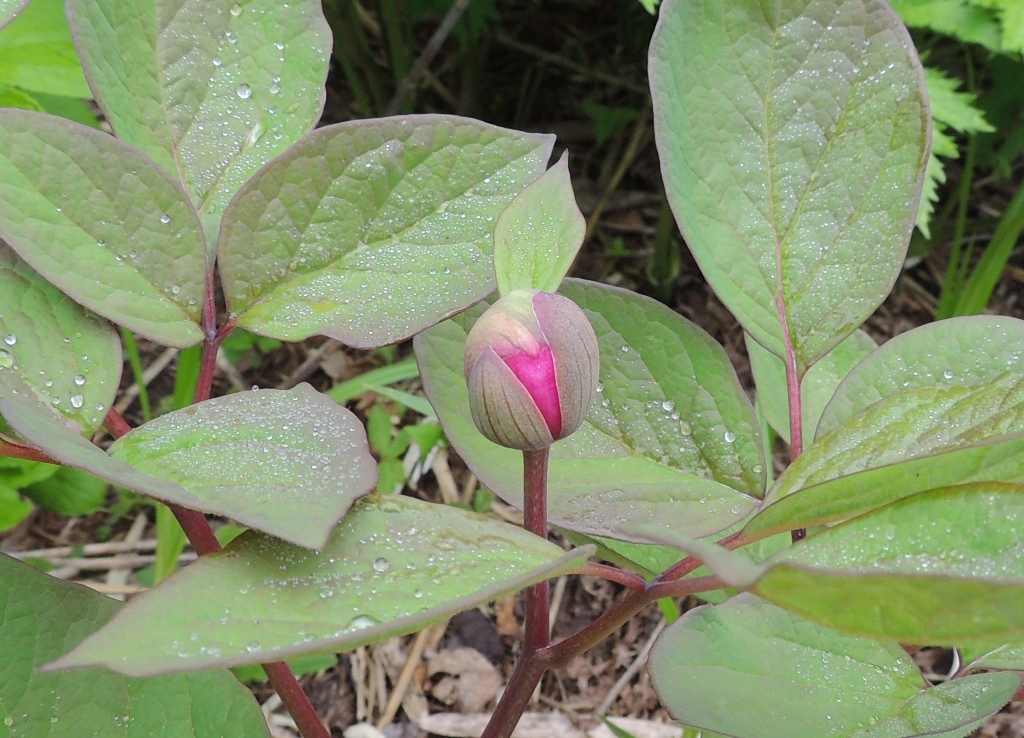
{"x": 533, "y": 69}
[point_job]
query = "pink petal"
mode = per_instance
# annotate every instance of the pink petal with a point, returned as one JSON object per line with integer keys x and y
{"x": 537, "y": 374}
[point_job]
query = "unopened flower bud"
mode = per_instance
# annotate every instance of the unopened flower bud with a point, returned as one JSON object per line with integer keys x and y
{"x": 532, "y": 366}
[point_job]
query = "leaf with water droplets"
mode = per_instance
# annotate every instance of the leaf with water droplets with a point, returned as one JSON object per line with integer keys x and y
{"x": 103, "y": 223}
{"x": 959, "y": 351}
{"x": 793, "y": 140}
{"x": 42, "y": 617}
{"x": 53, "y": 348}
{"x": 288, "y": 463}
{"x": 292, "y": 462}
{"x": 210, "y": 94}
{"x": 370, "y": 231}
{"x": 944, "y": 567}
{"x": 797, "y": 679}
{"x": 816, "y": 389}
{"x": 393, "y": 566}
{"x": 1000, "y": 460}
{"x": 914, "y": 424}
{"x": 9, "y": 10}
{"x": 672, "y": 439}
{"x": 538, "y": 235}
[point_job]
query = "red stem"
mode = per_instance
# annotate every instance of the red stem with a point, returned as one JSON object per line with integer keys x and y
{"x": 535, "y": 520}
{"x": 626, "y": 578}
{"x": 17, "y": 451}
{"x": 116, "y": 425}
{"x": 295, "y": 699}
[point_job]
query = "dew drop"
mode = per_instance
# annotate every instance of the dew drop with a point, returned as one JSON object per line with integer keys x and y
{"x": 730, "y": 436}
{"x": 175, "y": 289}
{"x": 253, "y": 647}
{"x": 11, "y": 340}
{"x": 216, "y": 61}
{"x": 165, "y": 219}
{"x": 418, "y": 594}
{"x": 236, "y": 10}
{"x": 77, "y": 401}
{"x": 231, "y": 37}
{"x": 668, "y": 406}
{"x": 948, "y": 374}
{"x": 361, "y": 621}
{"x": 244, "y": 91}
{"x": 274, "y": 88}
{"x": 79, "y": 381}
{"x": 381, "y": 564}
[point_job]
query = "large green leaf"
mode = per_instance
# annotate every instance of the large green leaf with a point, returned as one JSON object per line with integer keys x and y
{"x": 294, "y": 461}
{"x": 672, "y": 439}
{"x": 53, "y": 347}
{"x": 104, "y": 224}
{"x": 1000, "y": 460}
{"x": 793, "y": 139}
{"x": 748, "y": 669}
{"x": 36, "y": 53}
{"x": 288, "y": 463}
{"x": 9, "y": 10}
{"x": 912, "y": 424}
{"x": 210, "y": 91}
{"x": 394, "y": 565}
{"x": 816, "y": 389}
{"x": 968, "y": 350}
{"x": 370, "y": 231}
{"x": 943, "y": 567}
{"x": 41, "y": 618}
{"x": 538, "y": 235}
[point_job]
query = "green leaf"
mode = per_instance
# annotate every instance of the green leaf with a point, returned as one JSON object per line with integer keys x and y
{"x": 912, "y": 424}
{"x": 793, "y": 140}
{"x": 370, "y": 231}
{"x": 958, "y": 110}
{"x": 19, "y": 473}
{"x": 9, "y": 10}
{"x": 13, "y": 507}
{"x": 300, "y": 506}
{"x": 289, "y": 463}
{"x": 12, "y": 97}
{"x": 1001, "y": 460}
{"x": 538, "y": 235}
{"x": 797, "y": 679}
{"x": 37, "y": 55}
{"x": 943, "y": 567}
{"x": 967, "y": 351}
{"x": 113, "y": 230}
{"x": 53, "y": 348}
{"x": 957, "y": 18}
{"x": 384, "y": 375}
{"x": 672, "y": 439}
{"x": 934, "y": 175}
{"x": 42, "y": 617}
{"x": 69, "y": 492}
{"x": 68, "y": 107}
{"x": 211, "y": 92}
{"x": 394, "y": 565}
{"x": 608, "y": 120}
{"x": 816, "y": 389}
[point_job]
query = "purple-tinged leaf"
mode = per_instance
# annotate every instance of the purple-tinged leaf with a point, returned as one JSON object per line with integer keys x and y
{"x": 103, "y": 223}
{"x": 54, "y": 348}
{"x": 793, "y": 139}
{"x": 370, "y": 231}
{"x": 393, "y": 566}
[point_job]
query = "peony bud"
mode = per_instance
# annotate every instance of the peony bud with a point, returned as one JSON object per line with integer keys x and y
{"x": 532, "y": 365}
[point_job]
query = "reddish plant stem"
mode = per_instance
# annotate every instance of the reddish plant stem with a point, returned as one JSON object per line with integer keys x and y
{"x": 17, "y": 451}
{"x": 116, "y": 425}
{"x": 614, "y": 574}
{"x": 298, "y": 704}
{"x": 535, "y": 520}
{"x": 208, "y": 361}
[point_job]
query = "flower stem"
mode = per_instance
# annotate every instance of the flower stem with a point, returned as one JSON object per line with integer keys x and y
{"x": 535, "y": 519}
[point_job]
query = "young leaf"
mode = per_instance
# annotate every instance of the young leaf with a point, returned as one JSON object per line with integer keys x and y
{"x": 968, "y": 350}
{"x": 372, "y": 230}
{"x": 50, "y": 346}
{"x": 817, "y": 387}
{"x": 393, "y": 566}
{"x": 288, "y": 463}
{"x": 797, "y": 679}
{"x": 962, "y": 19}
{"x": 211, "y": 92}
{"x": 104, "y": 224}
{"x": 797, "y": 198}
{"x": 237, "y": 470}
{"x": 69, "y": 492}
{"x": 42, "y": 617}
{"x": 672, "y": 439}
{"x": 36, "y": 53}
{"x": 912, "y": 424}
{"x": 538, "y": 235}
{"x": 942, "y": 567}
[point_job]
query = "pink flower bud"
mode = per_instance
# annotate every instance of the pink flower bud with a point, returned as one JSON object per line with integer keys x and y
{"x": 532, "y": 365}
